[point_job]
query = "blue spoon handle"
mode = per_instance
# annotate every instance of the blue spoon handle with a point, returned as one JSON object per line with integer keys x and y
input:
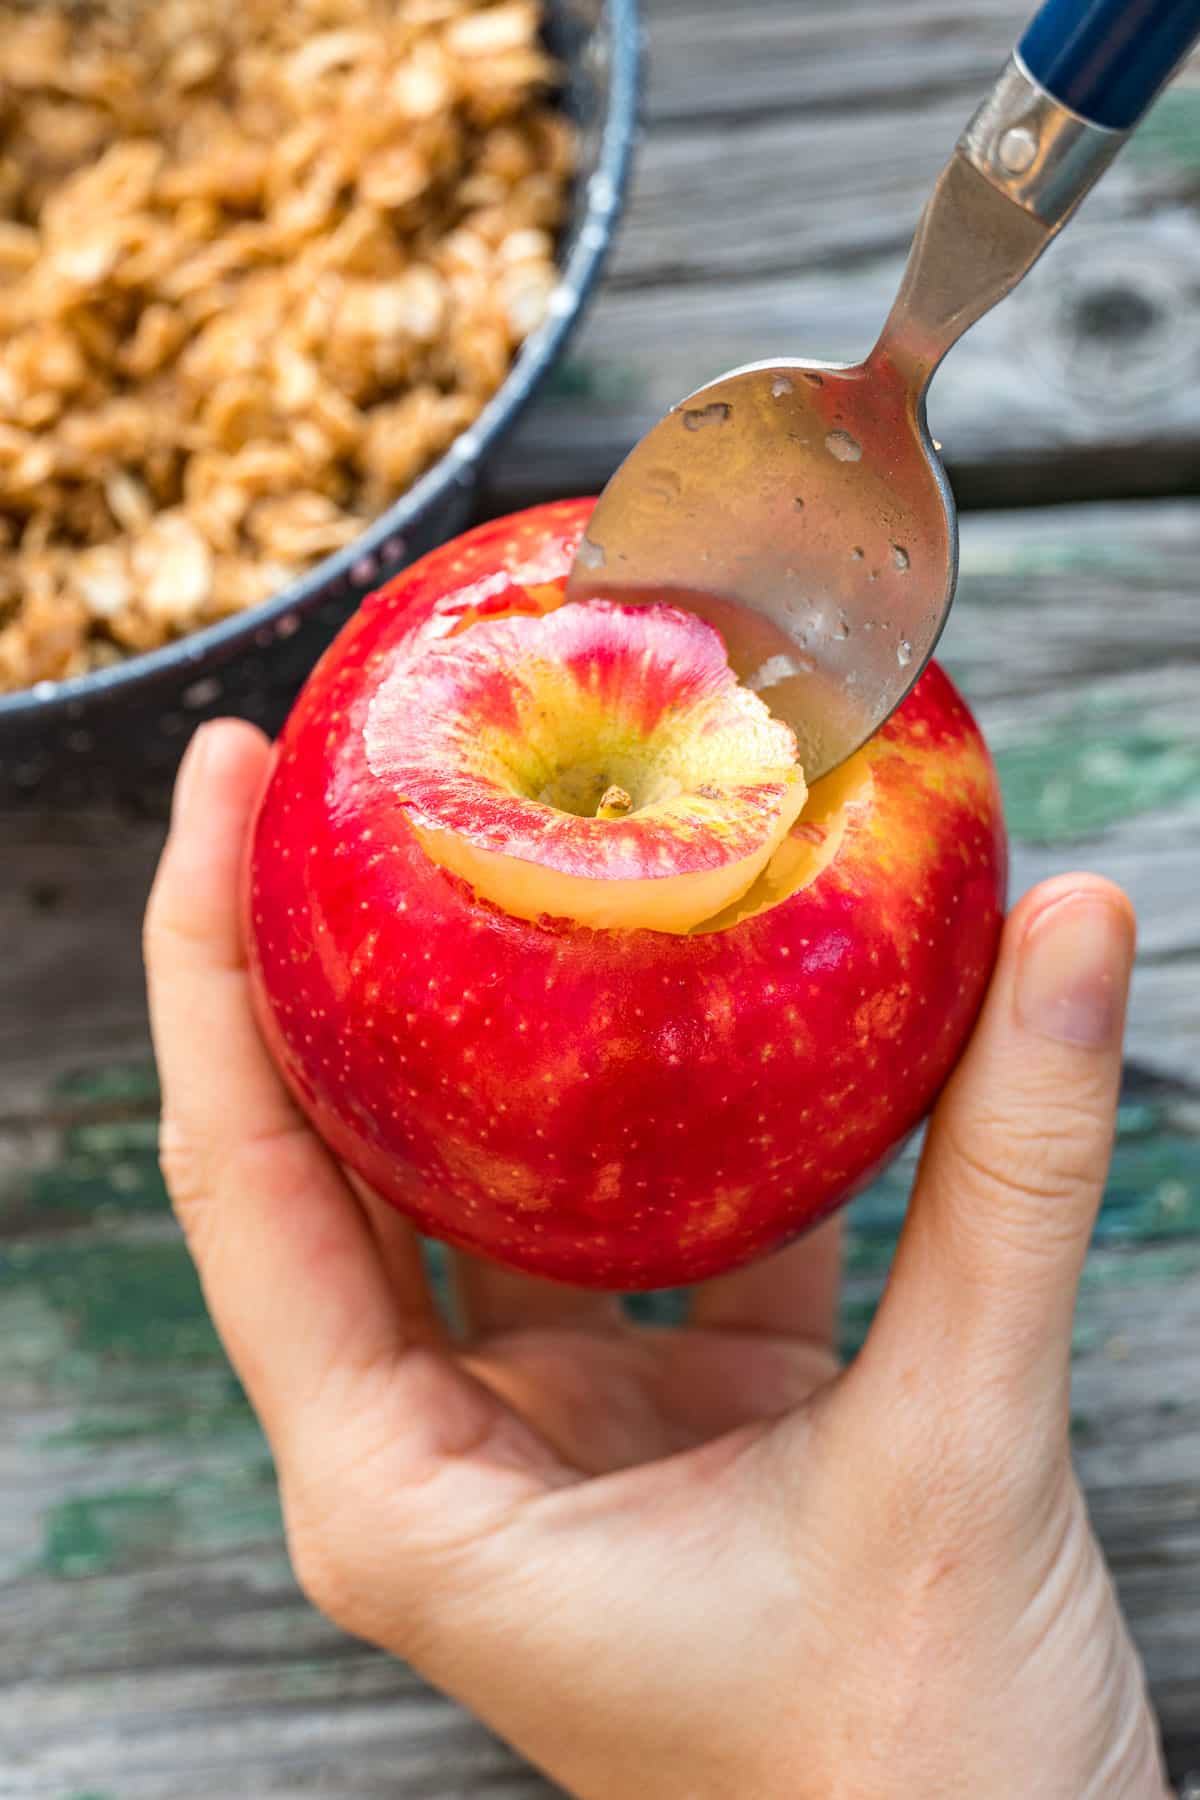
{"x": 1062, "y": 108}
{"x": 1107, "y": 59}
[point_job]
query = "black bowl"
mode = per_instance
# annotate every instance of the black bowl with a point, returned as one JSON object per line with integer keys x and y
{"x": 119, "y": 733}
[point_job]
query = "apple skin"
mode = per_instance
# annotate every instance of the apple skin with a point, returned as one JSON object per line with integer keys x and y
{"x": 617, "y": 1109}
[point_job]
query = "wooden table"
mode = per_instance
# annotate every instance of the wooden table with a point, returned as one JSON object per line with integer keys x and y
{"x": 153, "y": 1645}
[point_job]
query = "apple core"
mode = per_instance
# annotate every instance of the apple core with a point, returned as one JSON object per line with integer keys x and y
{"x": 598, "y": 762}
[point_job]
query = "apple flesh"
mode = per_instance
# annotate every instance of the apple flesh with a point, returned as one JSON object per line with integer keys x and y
{"x": 598, "y": 763}
{"x": 558, "y": 953}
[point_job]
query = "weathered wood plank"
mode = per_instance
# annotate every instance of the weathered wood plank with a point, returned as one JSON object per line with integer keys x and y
{"x": 1081, "y": 386}
{"x": 71, "y": 894}
{"x": 155, "y": 1646}
{"x": 352, "y": 1725}
{"x": 787, "y": 156}
{"x": 160, "y": 1644}
{"x": 774, "y": 56}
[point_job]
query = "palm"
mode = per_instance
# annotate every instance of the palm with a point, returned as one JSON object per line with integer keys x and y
{"x": 600, "y": 1393}
{"x": 612, "y": 1398}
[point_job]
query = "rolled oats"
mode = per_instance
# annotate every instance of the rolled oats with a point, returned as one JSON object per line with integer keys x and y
{"x": 259, "y": 266}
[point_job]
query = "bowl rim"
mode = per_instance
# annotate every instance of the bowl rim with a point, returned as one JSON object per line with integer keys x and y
{"x": 213, "y": 644}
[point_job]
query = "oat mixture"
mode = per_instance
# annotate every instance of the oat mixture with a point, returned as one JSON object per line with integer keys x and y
{"x": 259, "y": 264}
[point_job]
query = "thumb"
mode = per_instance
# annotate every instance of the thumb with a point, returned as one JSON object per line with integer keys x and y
{"x": 986, "y": 1273}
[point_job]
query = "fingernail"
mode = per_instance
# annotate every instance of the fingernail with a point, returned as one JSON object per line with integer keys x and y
{"x": 190, "y": 778}
{"x": 1073, "y": 974}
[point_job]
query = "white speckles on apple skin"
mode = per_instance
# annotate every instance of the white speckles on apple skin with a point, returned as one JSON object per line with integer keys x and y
{"x": 740, "y": 1112}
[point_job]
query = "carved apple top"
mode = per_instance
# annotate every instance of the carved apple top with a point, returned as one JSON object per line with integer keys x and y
{"x": 599, "y": 762}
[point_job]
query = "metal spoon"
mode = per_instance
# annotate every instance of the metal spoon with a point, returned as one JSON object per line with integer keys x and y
{"x": 802, "y": 507}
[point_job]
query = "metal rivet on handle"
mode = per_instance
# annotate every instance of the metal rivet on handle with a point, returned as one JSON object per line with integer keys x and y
{"x": 1017, "y": 150}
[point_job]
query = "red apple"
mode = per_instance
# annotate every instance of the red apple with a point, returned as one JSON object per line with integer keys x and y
{"x": 557, "y": 951}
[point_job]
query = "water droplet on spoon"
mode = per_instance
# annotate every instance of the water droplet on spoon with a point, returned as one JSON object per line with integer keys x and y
{"x": 782, "y": 385}
{"x": 717, "y": 412}
{"x": 590, "y": 555}
{"x": 664, "y": 484}
{"x": 904, "y": 653}
{"x": 811, "y": 376}
{"x": 780, "y": 668}
{"x": 901, "y": 558}
{"x": 844, "y": 447}
{"x": 856, "y": 554}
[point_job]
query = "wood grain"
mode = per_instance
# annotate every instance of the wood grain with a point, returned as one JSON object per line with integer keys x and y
{"x": 788, "y": 152}
{"x": 154, "y": 1645}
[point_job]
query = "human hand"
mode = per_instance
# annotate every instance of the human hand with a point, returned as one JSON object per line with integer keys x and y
{"x": 700, "y": 1563}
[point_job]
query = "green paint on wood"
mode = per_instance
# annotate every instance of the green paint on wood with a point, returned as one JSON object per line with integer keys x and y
{"x": 1148, "y": 1268}
{"x": 600, "y": 384}
{"x": 133, "y": 1300}
{"x": 669, "y": 1306}
{"x": 1153, "y": 1191}
{"x": 103, "y": 1532}
{"x": 208, "y": 1511}
{"x": 1170, "y": 132}
{"x": 197, "y": 1416}
{"x": 997, "y": 564}
{"x": 125, "y": 1084}
{"x": 103, "y": 1170}
{"x": 1084, "y": 777}
{"x": 105, "y": 1166}
{"x": 1152, "y": 1196}
{"x": 854, "y": 1324}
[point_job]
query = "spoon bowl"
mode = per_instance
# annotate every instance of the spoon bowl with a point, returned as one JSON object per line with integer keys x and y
{"x": 802, "y": 509}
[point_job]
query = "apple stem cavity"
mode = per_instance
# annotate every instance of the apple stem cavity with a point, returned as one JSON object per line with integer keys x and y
{"x": 616, "y": 804}
{"x": 599, "y": 763}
